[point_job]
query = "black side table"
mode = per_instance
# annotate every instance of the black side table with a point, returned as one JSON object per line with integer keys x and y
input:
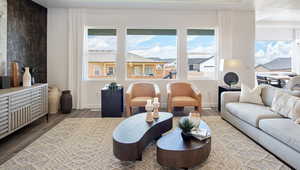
{"x": 224, "y": 89}
{"x": 112, "y": 102}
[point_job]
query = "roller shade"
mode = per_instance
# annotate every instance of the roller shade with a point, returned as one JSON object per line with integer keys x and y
{"x": 151, "y": 32}
{"x": 102, "y": 32}
{"x": 200, "y": 32}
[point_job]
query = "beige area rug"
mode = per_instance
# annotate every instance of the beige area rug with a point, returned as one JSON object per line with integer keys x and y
{"x": 86, "y": 144}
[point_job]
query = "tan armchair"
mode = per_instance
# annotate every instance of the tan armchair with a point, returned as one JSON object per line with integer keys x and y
{"x": 138, "y": 93}
{"x": 182, "y": 94}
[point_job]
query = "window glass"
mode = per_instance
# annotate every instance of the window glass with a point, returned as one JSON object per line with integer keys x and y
{"x": 102, "y": 50}
{"x": 152, "y": 54}
{"x": 201, "y": 49}
{"x": 273, "y": 56}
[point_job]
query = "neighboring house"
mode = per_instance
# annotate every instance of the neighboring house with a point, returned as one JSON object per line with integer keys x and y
{"x": 102, "y": 64}
{"x": 201, "y": 64}
{"x": 276, "y": 65}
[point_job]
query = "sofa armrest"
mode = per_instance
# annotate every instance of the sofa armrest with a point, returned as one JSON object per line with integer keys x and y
{"x": 228, "y": 97}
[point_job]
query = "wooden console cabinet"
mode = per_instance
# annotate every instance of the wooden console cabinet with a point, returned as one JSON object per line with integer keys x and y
{"x": 20, "y": 106}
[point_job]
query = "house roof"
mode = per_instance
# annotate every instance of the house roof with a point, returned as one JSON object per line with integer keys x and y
{"x": 110, "y": 56}
{"x": 277, "y": 64}
{"x": 192, "y": 61}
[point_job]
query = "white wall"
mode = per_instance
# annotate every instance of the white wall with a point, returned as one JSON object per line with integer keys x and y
{"x": 239, "y": 32}
{"x": 57, "y": 48}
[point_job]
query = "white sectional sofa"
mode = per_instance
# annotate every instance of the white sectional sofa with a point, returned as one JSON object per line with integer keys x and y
{"x": 278, "y": 134}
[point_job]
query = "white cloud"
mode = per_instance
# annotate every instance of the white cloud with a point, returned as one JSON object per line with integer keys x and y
{"x": 134, "y": 40}
{"x": 205, "y": 50}
{"x": 102, "y": 43}
{"x": 279, "y": 49}
{"x": 158, "y": 52}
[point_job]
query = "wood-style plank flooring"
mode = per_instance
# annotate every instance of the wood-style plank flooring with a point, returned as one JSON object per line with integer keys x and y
{"x": 12, "y": 144}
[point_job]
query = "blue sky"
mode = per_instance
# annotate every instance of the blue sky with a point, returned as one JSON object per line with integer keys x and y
{"x": 154, "y": 46}
{"x": 267, "y": 51}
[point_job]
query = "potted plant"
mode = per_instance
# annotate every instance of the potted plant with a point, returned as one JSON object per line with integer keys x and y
{"x": 113, "y": 86}
{"x": 186, "y": 126}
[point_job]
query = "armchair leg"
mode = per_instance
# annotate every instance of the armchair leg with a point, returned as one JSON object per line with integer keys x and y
{"x": 128, "y": 111}
{"x": 170, "y": 109}
{"x": 198, "y": 109}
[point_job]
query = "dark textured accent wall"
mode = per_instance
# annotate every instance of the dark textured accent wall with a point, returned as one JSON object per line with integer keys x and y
{"x": 27, "y": 36}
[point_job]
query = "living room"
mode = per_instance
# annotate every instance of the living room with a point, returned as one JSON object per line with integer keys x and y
{"x": 120, "y": 70}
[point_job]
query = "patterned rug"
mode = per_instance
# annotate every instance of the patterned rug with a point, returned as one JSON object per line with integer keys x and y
{"x": 86, "y": 144}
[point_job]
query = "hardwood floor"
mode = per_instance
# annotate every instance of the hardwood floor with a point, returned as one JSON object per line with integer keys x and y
{"x": 17, "y": 141}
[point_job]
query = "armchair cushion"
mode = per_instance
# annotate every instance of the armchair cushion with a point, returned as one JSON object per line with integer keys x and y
{"x": 184, "y": 101}
{"x": 139, "y": 101}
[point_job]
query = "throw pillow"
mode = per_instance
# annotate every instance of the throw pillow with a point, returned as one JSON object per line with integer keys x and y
{"x": 249, "y": 95}
{"x": 286, "y": 105}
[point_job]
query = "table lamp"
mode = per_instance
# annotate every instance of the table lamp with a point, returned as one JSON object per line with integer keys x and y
{"x": 230, "y": 67}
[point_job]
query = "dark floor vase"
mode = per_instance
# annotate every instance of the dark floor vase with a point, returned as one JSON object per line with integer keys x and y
{"x": 66, "y": 101}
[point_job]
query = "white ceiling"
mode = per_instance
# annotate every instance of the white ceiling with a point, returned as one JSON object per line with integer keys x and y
{"x": 266, "y": 10}
{"x": 154, "y": 4}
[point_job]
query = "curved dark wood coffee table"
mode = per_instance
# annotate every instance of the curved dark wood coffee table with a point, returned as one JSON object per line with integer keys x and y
{"x": 173, "y": 152}
{"x": 133, "y": 134}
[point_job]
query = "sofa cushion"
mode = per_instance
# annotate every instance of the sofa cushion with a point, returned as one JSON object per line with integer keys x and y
{"x": 251, "y": 113}
{"x": 184, "y": 101}
{"x": 267, "y": 94}
{"x": 139, "y": 101}
{"x": 285, "y": 130}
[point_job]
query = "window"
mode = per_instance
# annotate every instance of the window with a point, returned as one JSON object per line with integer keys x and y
{"x": 151, "y": 54}
{"x": 97, "y": 71}
{"x": 273, "y": 56}
{"x": 201, "y": 48}
{"x": 102, "y": 50}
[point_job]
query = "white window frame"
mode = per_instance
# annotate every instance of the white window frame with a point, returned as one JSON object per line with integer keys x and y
{"x": 177, "y": 57}
{"x": 85, "y": 60}
{"x": 217, "y": 57}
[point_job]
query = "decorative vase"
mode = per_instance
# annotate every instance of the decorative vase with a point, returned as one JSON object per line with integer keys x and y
{"x": 26, "y": 78}
{"x": 53, "y": 99}
{"x": 156, "y": 105}
{"x": 149, "y": 109}
{"x": 66, "y": 102}
{"x": 186, "y": 136}
{"x": 15, "y": 74}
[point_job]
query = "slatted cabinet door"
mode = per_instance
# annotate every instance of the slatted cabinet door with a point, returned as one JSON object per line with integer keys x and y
{"x": 4, "y": 110}
{"x": 37, "y": 103}
{"x": 20, "y": 109}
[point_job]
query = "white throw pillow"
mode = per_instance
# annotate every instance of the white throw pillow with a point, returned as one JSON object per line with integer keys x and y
{"x": 251, "y": 95}
{"x": 286, "y": 105}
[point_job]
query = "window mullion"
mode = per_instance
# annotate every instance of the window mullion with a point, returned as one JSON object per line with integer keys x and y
{"x": 121, "y": 53}
{"x": 182, "y": 54}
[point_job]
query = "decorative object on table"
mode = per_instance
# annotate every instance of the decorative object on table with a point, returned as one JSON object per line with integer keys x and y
{"x": 222, "y": 89}
{"x": 186, "y": 126}
{"x": 32, "y": 72}
{"x": 15, "y": 74}
{"x": 156, "y": 105}
{"x": 26, "y": 78}
{"x": 66, "y": 102}
{"x": 53, "y": 99}
{"x": 230, "y": 66}
{"x": 149, "y": 109}
{"x": 113, "y": 86}
{"x": 4, "y": 82}
{"x": 137, "y": 95}
{"x": 194, "y": 117}
{"x": 112, "y": 102}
